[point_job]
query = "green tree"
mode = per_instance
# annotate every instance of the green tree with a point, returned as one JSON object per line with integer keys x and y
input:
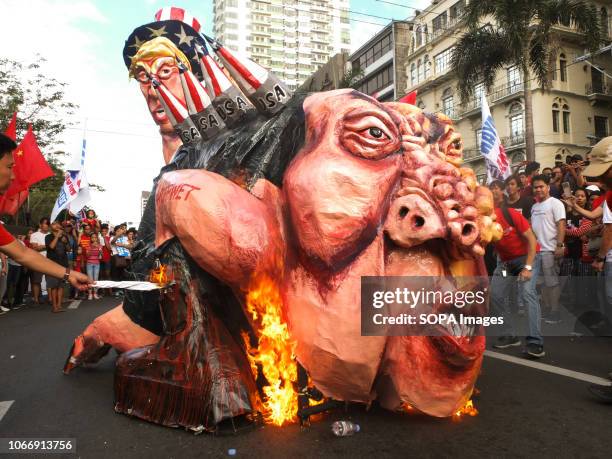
{"x": 39, "y": 100}
{"x": 350, "y": 78}
{"x": 522, "y": 34}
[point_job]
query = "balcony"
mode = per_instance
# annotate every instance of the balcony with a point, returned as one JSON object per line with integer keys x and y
{"x": 471, "y": 154}
{"x": 471, "y": 107}
{"x": 506, "y": 91}
{"x": 598, "y": 93}
{"x": 513, "y": 141}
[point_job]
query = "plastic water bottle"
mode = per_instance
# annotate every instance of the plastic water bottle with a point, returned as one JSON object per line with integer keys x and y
{"x": 344, "y": 428}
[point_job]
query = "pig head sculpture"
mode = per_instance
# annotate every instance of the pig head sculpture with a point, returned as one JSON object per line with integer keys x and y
{"x": 375, "y": 190}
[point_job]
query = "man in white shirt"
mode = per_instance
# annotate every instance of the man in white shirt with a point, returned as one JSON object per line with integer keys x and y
{"x": 548, "y": 224}
{"x": 37, "y": 242}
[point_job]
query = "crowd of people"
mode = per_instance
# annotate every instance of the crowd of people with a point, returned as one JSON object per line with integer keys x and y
{"x": 83, "y": 245}
{"x": 553, "y": 261}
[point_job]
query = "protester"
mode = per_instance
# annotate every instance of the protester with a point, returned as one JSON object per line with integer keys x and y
{"x": 58, "y": 248}
{"x": 531, "y": 170}
{"x": 3, "y": 280}
{"x": 93, "y": 255}
{"x": 573, "y": 172}
{"x": 121, "y": 259}
{"x": 548, "y": 223}
{"x": 105, "y": 262}
{"x": 600, "y": 169}
{"x": 17, "y": 281}
{"x": 555, "y": 182}
{"x": 37, "y": 242}
{"x": 18, "y": 252}
{"x": 518, "y": 258}
{"x": 547, "y": 171}
{"x": 515, "y": 201}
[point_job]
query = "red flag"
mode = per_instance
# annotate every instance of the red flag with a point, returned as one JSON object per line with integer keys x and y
{"x": 30, "y": 165}
{"x": 409, "y": 98}
{"x": 11, "y": 129}
{"x": 9, "y": 205}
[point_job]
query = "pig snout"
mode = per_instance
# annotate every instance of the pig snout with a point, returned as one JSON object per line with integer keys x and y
{"x": 412, "y": 220}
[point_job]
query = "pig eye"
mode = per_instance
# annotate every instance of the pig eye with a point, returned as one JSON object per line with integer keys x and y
{"x": 369, "y": 134}
{"x": 375, "y": 132}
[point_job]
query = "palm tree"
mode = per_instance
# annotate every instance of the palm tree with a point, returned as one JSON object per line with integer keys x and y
{"x": 522, "y": 35}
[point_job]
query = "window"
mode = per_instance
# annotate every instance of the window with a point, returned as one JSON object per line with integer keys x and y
{"x": 514, "y": 78}
{"x": 478, "y": 137}
{"x": 601, "y": 126}
{"x": 442, "y": 61}
{"x": 479, "y": 90}
{"x": 516, "y": 121}
{"x": 605, "y": 31}
{"x": 457, "y": 10}
{"x": 566, "y": 119}
{"x": 419, "y": 37}
{"x": 419, "y": 71}
{"x": 439, "y": 23}
{"x": 377, "y": 50}
{"x": 377, "y": 82}
{"x": 448, "y": 103}
{"x": 555, "y": 118}
{"x": 562, "y": 67}
{"x": 427, "y": 66}
{"x": 413, "y": 74}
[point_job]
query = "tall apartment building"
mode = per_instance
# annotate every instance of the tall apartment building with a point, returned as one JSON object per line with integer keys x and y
{"x": 568, "y": 117}
{"x": 382, "y": 62}
{"x": 293, "y": 38}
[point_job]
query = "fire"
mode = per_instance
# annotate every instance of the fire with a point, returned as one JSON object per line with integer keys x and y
{"x": 159, "y": 275}
{"x": 274, "y": 353}
{"x": 468, "y": 409}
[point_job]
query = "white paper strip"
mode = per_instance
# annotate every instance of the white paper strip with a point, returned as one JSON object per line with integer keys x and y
{"x": 128, "y": 285}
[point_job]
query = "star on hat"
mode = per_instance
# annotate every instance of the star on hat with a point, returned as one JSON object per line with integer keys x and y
{"x": 174, "y": 24}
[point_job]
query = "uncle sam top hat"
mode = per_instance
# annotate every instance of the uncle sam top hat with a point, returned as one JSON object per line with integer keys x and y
{"x": 172, "y": 23}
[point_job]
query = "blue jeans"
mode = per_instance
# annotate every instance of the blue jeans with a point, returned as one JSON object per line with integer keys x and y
{"x": 500, "y": 290}
{"x": 93, "y": 271}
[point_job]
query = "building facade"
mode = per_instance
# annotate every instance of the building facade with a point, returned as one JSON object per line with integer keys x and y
{"x": 382, "y": 62}
{"x": 293, "y": 38}
{"x": 329, "y": 76}
{"x": 568, "y": 117}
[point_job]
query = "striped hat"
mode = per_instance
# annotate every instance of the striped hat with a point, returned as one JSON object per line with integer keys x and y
{"x": 176, "y": 25}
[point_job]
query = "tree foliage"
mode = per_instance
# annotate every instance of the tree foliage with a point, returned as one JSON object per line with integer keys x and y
{"x": 39, "y": 100}
{"x": 523, "y": 35}
{"x": 350, "y": 78}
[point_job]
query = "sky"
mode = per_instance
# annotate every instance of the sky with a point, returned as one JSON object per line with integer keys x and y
{"x": 82, "y": 41}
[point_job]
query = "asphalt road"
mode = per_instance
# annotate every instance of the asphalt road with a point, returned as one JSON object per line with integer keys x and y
{"x": 524, "y": 411}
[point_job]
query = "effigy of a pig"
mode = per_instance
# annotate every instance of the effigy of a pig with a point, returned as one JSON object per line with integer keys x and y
{"x": 268, "y": 215}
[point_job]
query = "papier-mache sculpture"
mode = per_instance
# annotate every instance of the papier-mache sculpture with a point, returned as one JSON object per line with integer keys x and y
{"x": 268, "y": 225}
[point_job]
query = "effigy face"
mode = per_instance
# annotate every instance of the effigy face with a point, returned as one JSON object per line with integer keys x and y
{"x": 376, "y": 190}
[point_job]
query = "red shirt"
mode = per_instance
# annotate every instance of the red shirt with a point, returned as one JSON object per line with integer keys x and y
{"x": 512, "y": 245}
{"x": 106, "y": 254}
{"x": 5, "y": 236}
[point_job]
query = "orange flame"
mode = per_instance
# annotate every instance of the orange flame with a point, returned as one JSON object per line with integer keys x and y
{"x": 274, "y": 353}
{"x": 160, "y": 275}
{"x": 468, "y": 409}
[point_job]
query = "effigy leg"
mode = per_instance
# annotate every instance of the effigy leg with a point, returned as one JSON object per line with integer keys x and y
{"x": 112, "y": 329}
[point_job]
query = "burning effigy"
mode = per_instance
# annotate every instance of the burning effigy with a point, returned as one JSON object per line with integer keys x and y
{"x": 265, "y": 218}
